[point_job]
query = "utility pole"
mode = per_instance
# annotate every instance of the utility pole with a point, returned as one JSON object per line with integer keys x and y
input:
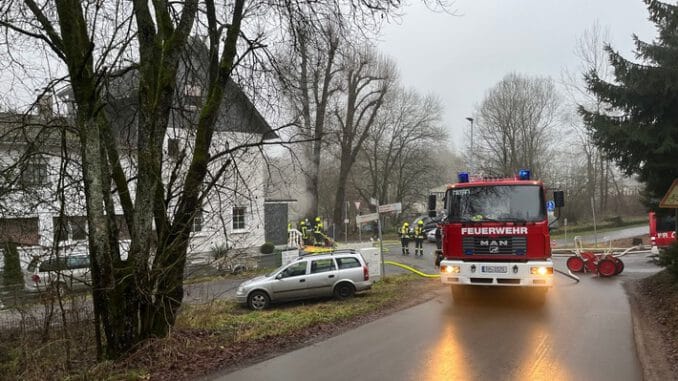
{"x": 471, "y": 163}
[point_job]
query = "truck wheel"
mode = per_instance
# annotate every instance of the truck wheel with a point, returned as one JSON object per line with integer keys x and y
{"x": 575, "y": 264}
{"x": 606, "y": 268}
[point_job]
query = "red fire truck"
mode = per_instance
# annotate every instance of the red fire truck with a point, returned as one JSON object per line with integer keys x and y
{"x": 496, "y": 233}
{"x": 662, "y": 230}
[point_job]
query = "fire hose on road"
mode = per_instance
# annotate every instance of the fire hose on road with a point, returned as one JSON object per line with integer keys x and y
{"x": 423, "y": 274}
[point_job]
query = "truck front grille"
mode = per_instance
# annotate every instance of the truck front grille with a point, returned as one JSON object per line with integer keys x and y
{"x": 494, "y": 245}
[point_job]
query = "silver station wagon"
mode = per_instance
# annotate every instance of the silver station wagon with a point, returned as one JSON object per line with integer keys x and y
{"x": 341, "y": 273}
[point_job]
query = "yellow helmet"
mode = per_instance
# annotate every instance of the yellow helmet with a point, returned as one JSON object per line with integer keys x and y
{"x": 317, "y": 219}
{"x": 406, "y": 224}
{"x": 421, "y": 222}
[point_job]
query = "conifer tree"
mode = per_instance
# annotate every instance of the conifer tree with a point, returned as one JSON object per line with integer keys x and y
{"x": 637, "y": 126}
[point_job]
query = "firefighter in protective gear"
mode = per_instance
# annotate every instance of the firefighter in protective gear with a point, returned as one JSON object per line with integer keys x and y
{"x": 419, "y": 239}
{"x": 318, "y": 232}
{"x": 405, "y": 238}
{"x": 304, "y": 231}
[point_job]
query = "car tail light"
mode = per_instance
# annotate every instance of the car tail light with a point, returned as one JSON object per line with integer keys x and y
{"x": 35, "y": 278}
{"x": 366, "y": 273}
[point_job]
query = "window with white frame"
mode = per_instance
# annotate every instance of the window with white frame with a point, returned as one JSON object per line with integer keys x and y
{"x": 70, "y": 228}
{"x": 35, "y": 172}
{"x": 173, "y": 148}
{"x": 239, "y": 218}
{"x": 197, "y": 222}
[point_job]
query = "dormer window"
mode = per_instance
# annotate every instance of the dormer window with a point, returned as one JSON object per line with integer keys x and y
{"x": 192, "y": 95}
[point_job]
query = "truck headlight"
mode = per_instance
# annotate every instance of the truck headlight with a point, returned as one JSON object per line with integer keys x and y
{"x": 541, "y": 270}
{"x": 450, "y": 269}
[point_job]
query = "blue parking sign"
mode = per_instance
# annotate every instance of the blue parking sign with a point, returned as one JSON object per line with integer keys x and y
{"x": 550, "y": 205}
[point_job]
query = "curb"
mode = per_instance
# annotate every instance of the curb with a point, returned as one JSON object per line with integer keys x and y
{"x": 649, "y": 348}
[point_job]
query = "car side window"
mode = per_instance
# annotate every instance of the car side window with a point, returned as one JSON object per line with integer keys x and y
{"x": 295, "y": 269}
{"x": 322, "y": 265}
{"x": 52, "y": 264}
{"x": 79, "y": 262}
{"x": 348, "y": 262}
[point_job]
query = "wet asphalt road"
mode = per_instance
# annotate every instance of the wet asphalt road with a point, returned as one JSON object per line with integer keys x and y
{"x": 583, "y": 332}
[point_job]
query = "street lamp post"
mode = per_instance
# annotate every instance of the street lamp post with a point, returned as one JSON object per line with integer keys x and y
{"x": 471, "y": 152}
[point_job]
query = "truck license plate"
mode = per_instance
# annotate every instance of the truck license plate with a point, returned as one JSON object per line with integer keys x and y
{"x": 494, "y": 269}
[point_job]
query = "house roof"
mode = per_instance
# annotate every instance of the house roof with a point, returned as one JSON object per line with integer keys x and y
{"x": 39, "y": 130}
{"x": 237, "y": 113}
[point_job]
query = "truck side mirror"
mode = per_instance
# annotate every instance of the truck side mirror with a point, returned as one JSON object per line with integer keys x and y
{"x": 559, "y": 198}
{"x": 431, "y": 205}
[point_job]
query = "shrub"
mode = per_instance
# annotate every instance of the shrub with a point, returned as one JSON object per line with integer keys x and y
{"x": 669, "y": 259}
{"x": 267, "y": 248}
{"x": 219, "y": 251}
{"x": 13, "y": 275}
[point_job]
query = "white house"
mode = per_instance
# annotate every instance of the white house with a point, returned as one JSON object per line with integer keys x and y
{"x": 48, "y": 171}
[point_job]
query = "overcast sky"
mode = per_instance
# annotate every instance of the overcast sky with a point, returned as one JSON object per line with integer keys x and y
{"x": 458, "y": 58}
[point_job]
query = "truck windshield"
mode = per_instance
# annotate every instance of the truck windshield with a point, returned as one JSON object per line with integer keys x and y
{"x": 496, "y": 203}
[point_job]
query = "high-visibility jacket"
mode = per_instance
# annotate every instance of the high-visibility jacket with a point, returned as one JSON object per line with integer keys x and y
{"x": 318, "y": 227}
{"x": 405, "y": 231}
{"x": 419, "y": 232}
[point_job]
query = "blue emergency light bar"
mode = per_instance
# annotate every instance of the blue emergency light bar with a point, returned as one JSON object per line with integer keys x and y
{"x": 524, "y": 174}
{"x": 462, "y": 177}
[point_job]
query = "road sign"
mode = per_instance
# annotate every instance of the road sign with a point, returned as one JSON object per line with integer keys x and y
{"x": 366, "y": 218}
{"x": 397, "y": 207}
{"x": 550, "y": 205}
{"x": 670, "y": 200}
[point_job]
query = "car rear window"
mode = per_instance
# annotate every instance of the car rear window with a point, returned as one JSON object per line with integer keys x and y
{"x": 347, "y": 262}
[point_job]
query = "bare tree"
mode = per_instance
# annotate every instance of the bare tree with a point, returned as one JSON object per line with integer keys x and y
{"x": 514, "y": 125}
{"x": 398, "y": 157}
{"x": 309, "y": 75}
{"x": 600, "y": 173}
{"x": 366, "y": 79}
{"x": 96, "y": 42}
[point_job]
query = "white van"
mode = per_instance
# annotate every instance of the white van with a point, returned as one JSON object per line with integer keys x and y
{"x": 69, "y": 272}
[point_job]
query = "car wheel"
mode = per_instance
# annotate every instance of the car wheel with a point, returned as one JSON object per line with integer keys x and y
{"x": 344, "y": 290}
{"x": 258, "y": 300}
{"x": 237, "y": 269}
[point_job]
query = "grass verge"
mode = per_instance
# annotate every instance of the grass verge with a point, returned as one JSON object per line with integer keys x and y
{"x": 217, "y": 336}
